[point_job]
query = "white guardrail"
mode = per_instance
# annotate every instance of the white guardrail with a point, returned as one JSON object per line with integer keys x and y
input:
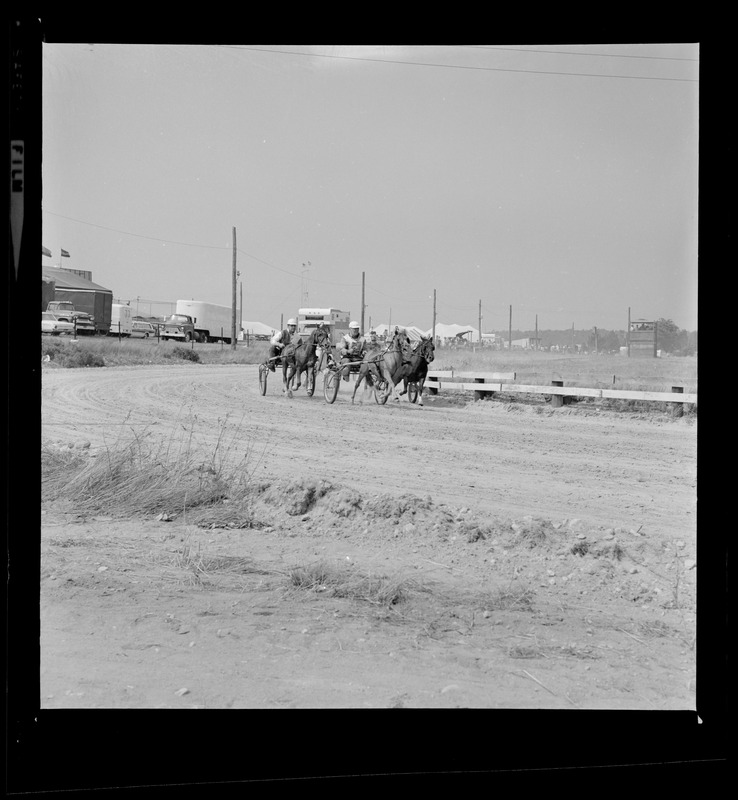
{"x": 482, "y": 382}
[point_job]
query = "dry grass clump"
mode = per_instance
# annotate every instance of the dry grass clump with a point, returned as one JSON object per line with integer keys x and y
{"x": 530, "y": 532}
{"x": 143, "y": 477}
{"x": 320, "y": 577}
{"x": 230, "y": 515}
{"x": 511, "y": 597}
{"x": 133, "y": 480}
{"x": 205, "y": 568}
{"x": 58, "y": 464}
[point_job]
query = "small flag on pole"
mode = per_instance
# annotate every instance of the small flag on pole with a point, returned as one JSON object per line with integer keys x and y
{"x": 45, "y": 251}
{"x": 65, "y": 254}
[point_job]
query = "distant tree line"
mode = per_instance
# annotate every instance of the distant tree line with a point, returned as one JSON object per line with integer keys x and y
{"x": 669, "y": 339}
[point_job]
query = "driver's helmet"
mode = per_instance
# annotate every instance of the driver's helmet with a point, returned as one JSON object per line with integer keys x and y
{"x": 291, "y": 322}
{"x": 353, "y": 326}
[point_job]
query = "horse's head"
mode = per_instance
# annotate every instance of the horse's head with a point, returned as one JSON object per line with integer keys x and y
{"x": 426, "y": 348}
{"x": 320, "y": 335}
{"x": 397, "y": 340}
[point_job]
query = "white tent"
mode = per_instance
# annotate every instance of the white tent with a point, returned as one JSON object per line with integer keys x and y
{"x": 257, "y": 328}
{"x": 414, "y": 333}
{"x": 444, "y": 331}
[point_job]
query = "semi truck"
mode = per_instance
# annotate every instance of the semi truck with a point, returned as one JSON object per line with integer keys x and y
{"x": 121, "y": 320}
{"x": 212, "y": 323}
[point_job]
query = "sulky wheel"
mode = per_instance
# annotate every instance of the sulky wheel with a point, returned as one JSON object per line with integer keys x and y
{"x": 331, "y": 383}
{"x": 381, "y": 393}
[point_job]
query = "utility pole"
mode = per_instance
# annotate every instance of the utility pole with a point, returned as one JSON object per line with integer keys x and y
{"x": 434, "y": 316}
{"x": 509, "y": 334}
{"x": 233, "y": 297}
{"x": 362, "y": 303}
{"x": 304, "y": 299}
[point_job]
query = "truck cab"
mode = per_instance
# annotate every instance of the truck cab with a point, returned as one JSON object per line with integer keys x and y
{"x": 179, "y": 327}
{"x": 64, "y": 311}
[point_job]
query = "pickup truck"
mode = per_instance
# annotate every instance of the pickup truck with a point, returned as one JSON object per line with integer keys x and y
{"x": 179, "y": 327}
{"x": 64, "y": 311}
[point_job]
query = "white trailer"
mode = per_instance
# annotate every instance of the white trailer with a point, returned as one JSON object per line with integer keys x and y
{"x": 212, "y": 322}
{"x": 121, "y": 320}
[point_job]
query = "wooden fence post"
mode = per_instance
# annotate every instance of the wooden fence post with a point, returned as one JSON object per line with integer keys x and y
{"x": 678, "y": 408}
{"x": 557, "y": 400}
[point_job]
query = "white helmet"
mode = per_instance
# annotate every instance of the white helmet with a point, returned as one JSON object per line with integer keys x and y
{"x": 354, "y": 325}
{"x": 291, "y": 322}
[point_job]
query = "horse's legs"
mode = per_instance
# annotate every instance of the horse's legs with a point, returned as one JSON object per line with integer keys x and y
{"x": 287, "y": 375}
{"x": 359, "y": 379}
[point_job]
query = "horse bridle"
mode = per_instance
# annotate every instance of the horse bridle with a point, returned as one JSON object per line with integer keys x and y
{"x": 425, "y": 345}
{"x": 326, "y": 337}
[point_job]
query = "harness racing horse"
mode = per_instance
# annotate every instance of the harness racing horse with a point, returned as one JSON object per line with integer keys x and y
{"x": 377, "y": 369}
{"x": 301, "y": 358}
{"x": 416, "y": 371}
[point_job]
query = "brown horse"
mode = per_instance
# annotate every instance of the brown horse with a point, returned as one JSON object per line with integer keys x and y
{"x": 416, "y": 371}
{"x": 377, "y": 368}
{"x": 299, "y": 359}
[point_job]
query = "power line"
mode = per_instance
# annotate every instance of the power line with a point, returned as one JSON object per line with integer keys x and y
{"x": 138, "y": 235}
{"x": 467, "y": 67}
{"x": 294, "y": 274}
{"x": 194, "y": 244}
{"x": 578, "y": 53}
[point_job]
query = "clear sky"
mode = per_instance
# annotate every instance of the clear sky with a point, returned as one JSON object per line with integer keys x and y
{"x": 561, "y": 180}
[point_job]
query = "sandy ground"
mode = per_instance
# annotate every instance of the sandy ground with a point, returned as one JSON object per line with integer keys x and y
{"x": 544, "y": 558}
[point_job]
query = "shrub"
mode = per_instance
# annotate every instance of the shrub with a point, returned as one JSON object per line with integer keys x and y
{"x": 83, "y": 358}
{"x": 184, "y": 353}
{"x": 70, "y": 355}
{"x": 51, "y": 347}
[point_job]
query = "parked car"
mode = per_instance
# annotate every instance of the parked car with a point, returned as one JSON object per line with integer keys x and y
{"x": 51, "y": 325}
{"x": 142, "y": 329}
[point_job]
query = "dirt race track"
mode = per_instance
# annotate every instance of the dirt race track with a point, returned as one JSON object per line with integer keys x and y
{"x": 546, "y": 557}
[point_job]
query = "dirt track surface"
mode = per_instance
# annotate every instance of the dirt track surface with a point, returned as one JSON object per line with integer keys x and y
{"x": 547, "y": 555}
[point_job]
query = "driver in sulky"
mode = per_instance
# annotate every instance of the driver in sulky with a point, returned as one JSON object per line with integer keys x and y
{"x": 280, "y": 340}
{"x": 353, "y": 346}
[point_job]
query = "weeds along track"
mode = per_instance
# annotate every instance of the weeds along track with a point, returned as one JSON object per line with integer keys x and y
{"x": 605, "y": 468}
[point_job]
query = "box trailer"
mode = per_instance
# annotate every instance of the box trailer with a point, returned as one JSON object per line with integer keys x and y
{"x": 213, "y": 323}
{"x": 334, "y": 319}
{"x": 84, "y": 295}
{"x": 121, "y": 320}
